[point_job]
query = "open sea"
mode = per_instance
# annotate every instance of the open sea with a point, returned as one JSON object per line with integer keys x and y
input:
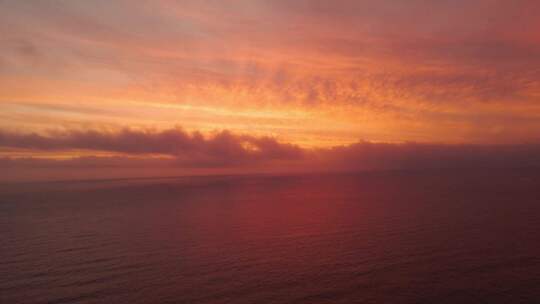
{"x": 387, "y": 237}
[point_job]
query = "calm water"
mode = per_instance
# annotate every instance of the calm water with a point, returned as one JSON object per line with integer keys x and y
{"x": 366, "y": 238}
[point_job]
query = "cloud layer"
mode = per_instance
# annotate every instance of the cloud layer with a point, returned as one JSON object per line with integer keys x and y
{"x": 316, "y": 73}
{"x": 261, "y": 85}
{"x": 221, "y": 149}
{"x": 176, "y": 152}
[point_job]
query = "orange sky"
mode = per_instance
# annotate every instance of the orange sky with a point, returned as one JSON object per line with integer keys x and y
{"x": 314, "y": 74}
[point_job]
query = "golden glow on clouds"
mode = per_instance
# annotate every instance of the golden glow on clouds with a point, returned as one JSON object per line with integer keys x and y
{"x": 66, "y": 155}
{"x": 312, "y": 73}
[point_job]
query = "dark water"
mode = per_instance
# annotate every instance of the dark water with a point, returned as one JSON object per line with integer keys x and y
{"x": 439, "y": 237}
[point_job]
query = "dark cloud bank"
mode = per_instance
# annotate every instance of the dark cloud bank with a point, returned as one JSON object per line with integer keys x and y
{"x": 193, "y": 150}
{"x": 187, "y": 153}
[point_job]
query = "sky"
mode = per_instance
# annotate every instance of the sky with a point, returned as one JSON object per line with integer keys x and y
{"x": 90, "y": 88}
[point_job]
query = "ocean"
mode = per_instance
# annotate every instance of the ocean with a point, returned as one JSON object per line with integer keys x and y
{"x": 374, "y": 237}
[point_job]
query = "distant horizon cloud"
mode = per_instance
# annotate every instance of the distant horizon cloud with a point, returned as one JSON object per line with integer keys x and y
{"x": 193, "y": 149}
{"x": 175, "y": 151}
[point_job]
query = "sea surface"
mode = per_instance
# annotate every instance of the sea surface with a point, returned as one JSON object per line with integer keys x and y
{"x": 387, "y": 237}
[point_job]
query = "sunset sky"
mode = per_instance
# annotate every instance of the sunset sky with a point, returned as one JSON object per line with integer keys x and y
{"x": 230, "y": 84}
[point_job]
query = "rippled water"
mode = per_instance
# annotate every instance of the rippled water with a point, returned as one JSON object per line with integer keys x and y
{"x": 440, "y": 237}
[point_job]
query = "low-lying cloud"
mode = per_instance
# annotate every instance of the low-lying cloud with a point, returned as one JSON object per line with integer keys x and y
{"x": 188, "y": 149}
{"x": 421, "y": 156}
{"x": 176, "y": 151}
